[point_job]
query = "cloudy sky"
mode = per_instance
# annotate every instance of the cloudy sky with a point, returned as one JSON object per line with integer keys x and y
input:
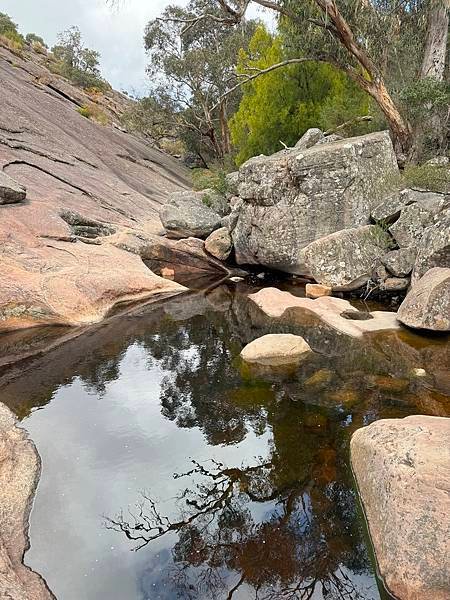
{"x": 116, "y": 32}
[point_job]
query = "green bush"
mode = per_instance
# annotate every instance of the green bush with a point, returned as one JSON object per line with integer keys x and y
{"x": 32, "y": 38}
{"x": 92, "y": 112}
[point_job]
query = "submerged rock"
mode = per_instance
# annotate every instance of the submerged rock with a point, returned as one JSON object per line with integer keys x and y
{"x": 427, "y": 305}
{"x": 294, "y": 197}
{"x": 344, "y": 260}
{"x": 19, "y": 474}
{"x": 402, "y": 468}
{"x": 276, "y": 349}
{"x": 10, "y": 190}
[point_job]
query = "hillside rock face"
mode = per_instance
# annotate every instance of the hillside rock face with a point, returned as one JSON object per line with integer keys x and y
{"x": 296, "y": 196}
{"x": 20, "y": 468}
{"x": 402, "y": 467}
{"x": 85, "y": 183}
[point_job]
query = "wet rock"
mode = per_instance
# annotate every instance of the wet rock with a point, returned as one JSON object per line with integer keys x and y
{"x": 400, "y": 262}
{"x": 427, "y": 305}
{"x": 410, "y": 227}
{"x": 187, "y": 216}
{"x": 403, "y": 474}
{"x": 10, "y": 190}
{"x": 276, "y": 349}
{"x": 292, "y": 198}
{"x": 395, "y": 284}
{"x": 316, "y": 290}
{"x": 310, "y": 138}
{"x": 321, "y": 378}
{"x": 277, "y": 304}
{"x": 19, "y": 474}
{"x": 434, "y": 247}
{"x": 219, "y": 244}
{"x": 344, "y": 260}
{"x": 184, "y": 257}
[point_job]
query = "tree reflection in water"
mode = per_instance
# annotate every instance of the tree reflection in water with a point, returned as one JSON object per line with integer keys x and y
{"x": 301, "y": 546}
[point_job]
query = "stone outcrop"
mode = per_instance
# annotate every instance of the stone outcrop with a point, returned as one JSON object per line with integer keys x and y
{"x": 310, "y": 138}
{"x": 10, "y": 190}
{"x": 427, "y": 305}
{"x": 296, "y": 196}
{"x": 337, "y": 313}
{"x": 276, "y": 349}
{"x": 344, "y": 260}
{"x": 409, "y": 228}
{"x": 402, "y": 468}
{"x": 186, "y": 257}
{"x": 433, "y": 249}
{"x": 219, "y": 243}
{"x": 19, "y": 474}
{"x": 400, "y": 262}
{"x": 186, "y": 215}
{"x": 85, "y": 184}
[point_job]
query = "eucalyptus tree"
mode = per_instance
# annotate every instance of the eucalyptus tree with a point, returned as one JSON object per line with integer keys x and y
{"x": 383, "y": 45}
{"x": 192, "y": 68}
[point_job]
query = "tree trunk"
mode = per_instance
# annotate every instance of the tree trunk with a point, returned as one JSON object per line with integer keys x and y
{"x": 433, "y": 64}
{"x": 400, "y": 129}
{"x": 226, "y": 143}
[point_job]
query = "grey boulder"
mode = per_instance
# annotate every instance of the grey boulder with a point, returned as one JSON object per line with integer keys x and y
{"x": 427, "y": 305}
{"x": 345, "y": 259}
{"x": 310, "y": 138}
{"x": 400, "y": 262}
{"x": 411, "y": 225}
{"x": 219, "y": 243}
{"x": 10, "y": 190}
{"x": 434, "y": 247}
{"x": 294, "y": 197}
{"x": 187, "y": 216}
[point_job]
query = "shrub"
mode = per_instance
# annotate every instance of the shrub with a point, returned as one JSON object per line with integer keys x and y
{"x": 94, "y": 113}
{"x": 32, "y": 39}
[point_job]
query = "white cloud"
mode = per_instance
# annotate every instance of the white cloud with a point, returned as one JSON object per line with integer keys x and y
{"x": 116, "y": 31}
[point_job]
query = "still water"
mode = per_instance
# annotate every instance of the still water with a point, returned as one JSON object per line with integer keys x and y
{"x": 169, "y": 471}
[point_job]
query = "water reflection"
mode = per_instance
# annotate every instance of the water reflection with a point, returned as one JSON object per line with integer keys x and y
{"x": 266, "y": 510}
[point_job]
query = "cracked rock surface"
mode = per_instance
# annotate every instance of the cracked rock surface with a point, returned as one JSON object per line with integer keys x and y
{"x": 84, "y": 183}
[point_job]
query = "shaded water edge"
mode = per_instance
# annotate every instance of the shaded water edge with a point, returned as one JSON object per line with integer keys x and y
{"x": 75, "y": 358}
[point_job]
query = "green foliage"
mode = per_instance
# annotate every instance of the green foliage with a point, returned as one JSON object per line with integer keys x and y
{"x": 427, "y": 177}
{"x": 7, "y": 25}
{"x": 75, "y": 62}
{"x": 191, "y": 68}
{"x": 32, "y": 38}
{"x": 281, "y": 105}
{"x": 92, "y": 112}
{"x": 10, "y": 35}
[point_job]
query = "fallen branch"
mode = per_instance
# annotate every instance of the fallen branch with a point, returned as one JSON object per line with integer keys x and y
{"x": 366, "y": 118}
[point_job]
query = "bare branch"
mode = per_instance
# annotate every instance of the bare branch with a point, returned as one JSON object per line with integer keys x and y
{"x": 365, "y": 118}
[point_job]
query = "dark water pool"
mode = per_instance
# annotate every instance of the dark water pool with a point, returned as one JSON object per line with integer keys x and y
{"x": 154, "y": 438}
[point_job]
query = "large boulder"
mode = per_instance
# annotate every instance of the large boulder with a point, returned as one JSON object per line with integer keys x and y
{"x": 400, "y": 262}
{"x": 427, "y": 305}
{"x": 20, "y": 467}
{"x": 434, "y": 247}
{"x": 10, "y": 190}
{"x": 276, "y": 349}
{"x": 344, "y": 260}
{"x": 219, "y": 244}
{"x": 409, "y": 228}
{"x": 186, "y": 215}
{"x": 296, "y": 196}
{"x": 402, "y": 468}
